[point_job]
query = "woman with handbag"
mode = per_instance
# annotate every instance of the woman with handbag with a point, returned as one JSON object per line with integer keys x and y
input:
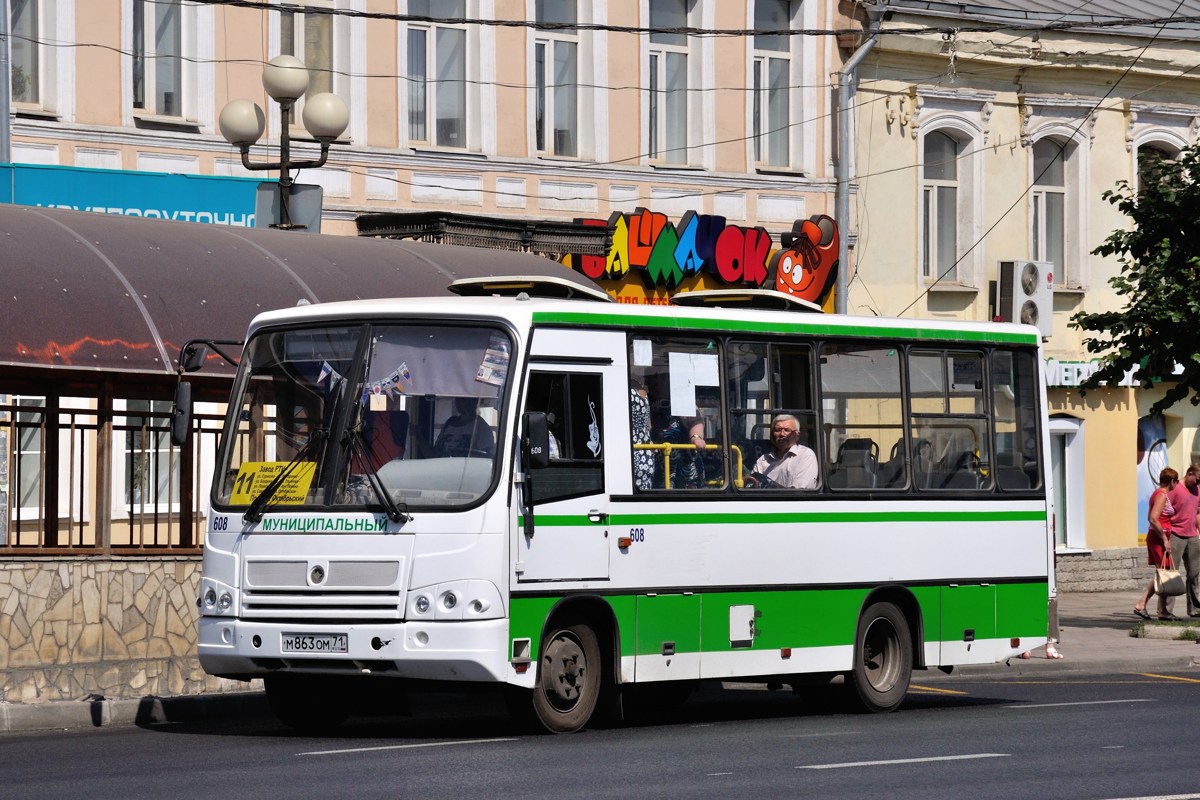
{"x": 1157, "y": 536}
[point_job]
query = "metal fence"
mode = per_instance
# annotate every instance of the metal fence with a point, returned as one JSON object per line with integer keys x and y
{"x": 100, "y": 476}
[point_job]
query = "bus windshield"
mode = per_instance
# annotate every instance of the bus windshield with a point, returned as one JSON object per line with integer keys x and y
{"x": 366, "y": 416}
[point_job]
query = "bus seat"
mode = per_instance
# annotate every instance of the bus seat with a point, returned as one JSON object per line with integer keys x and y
{"x": 1012, "y": 478}
{"x": 857, "y": 465}
{"x": 962, "y": 472}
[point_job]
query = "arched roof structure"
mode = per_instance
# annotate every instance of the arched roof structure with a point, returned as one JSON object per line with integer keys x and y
{"x": 86, "y": 292}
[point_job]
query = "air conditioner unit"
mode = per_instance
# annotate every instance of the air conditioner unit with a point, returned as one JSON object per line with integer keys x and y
{"x": 1025, "y": 294}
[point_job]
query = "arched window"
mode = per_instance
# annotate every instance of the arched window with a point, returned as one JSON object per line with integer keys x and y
{"x": 1053, "y": 202}
{"x": 940, "y": 206}
{"x": 1149, "y": 156}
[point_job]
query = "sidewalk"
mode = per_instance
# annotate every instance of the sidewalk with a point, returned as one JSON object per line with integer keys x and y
{"x": 1095, "y": 636}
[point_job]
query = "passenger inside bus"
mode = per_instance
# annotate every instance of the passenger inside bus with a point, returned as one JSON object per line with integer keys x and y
{"x": 465, "y": 433}
{"x": 385, "y": 434}
{"x": 685, "y": 462}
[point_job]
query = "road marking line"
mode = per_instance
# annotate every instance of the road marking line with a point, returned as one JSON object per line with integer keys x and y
{"x": 905, "y": 761}
{"x": 933, "y": 689}
{"x": 1161, "y": 797}
{"x": 1084, "y": 703}
{"x": 717, "y": 774}
{"x": 1169, "y": 677}
{"x": 401, "y": 747}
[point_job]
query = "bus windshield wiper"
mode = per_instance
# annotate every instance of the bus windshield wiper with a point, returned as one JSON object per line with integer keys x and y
{"x": 397, "y": 512}
{"x": 259, "y": 504}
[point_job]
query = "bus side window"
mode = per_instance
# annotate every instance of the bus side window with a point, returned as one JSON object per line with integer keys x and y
{"x": 862, "y": 408}
{"x": 1015, "y": 420}
{"x": 574, "y": 411}
{"x": 682, "y": 379}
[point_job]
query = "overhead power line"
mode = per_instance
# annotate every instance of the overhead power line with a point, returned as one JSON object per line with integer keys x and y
{"x": 984, "y": 26}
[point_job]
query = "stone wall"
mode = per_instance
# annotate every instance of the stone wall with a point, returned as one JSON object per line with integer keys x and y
{"x": 79, "y": 627}
{"x": 1116, "y": 569}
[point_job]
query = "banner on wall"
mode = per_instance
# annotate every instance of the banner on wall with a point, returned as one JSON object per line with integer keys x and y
{"x": 211, "y": 199}
{"x": 1151, "y": 458}
{"x": 652, "y": 257}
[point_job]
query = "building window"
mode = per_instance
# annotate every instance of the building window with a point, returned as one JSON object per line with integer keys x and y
{"x": 556, "y": 78}
{"x": 309, "y": 37}
{"x": 158, "y": 57}
{"x": 26, "y": 52}
{"x": 29, "y": 428}
{"x": 437, "y": 75}
{"x": 147, "y": 479}
{"x": 1051, "y": 168}
{"x": 771, "y": 98}
{"x": 1149, "y": 156}
{"x": 939, "y": 206}
{"x": 667, "y": 83}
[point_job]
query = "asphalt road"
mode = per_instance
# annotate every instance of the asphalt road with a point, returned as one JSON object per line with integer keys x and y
{"x": 1098, "y": 737}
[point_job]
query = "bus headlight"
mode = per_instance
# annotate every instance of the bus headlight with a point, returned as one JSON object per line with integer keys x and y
{"x": 216, "y": 598}
{"x": 456, "y": 600}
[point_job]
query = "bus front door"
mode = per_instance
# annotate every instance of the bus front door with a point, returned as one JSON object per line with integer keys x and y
{"x": 570, "y": 535}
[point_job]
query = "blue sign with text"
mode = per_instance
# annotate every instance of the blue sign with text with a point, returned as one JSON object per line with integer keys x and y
{"x": 211, "y": 199}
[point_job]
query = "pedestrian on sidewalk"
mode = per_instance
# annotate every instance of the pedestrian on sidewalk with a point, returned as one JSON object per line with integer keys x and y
{"x": 1157, "y": 536}
{"x": 1185, "y": 541}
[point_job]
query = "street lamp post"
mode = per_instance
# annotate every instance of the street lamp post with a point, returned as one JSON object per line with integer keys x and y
{"x": 242, "y": 123}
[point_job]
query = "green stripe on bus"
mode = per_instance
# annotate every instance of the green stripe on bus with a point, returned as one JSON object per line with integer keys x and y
{"x": 800, "y": 326}
{"x": 700, "y": 622}
{"x": 790, "y": 517}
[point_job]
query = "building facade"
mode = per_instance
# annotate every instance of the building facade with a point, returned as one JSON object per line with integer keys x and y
{"x": 511, "y": 108}
{"x": 987, "y": 136}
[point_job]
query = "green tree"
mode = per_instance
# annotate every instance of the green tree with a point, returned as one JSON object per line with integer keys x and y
{"x": 1159, "y": 283}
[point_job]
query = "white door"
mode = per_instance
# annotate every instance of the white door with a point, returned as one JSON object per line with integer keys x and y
{"x": 570, "y": 539}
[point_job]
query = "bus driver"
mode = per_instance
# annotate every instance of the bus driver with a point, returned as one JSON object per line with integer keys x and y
{"x": 789, "y": 465}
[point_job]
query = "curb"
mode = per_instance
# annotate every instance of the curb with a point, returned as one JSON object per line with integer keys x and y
{"x": 1019, "y": 667}
{"x": 101, "y": 712}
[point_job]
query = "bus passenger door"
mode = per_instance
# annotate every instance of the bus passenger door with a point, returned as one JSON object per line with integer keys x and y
{"x": 570, "y": 539}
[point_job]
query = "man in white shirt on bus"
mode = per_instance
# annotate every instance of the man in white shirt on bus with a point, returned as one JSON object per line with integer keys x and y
{"x": 789, "y": 465}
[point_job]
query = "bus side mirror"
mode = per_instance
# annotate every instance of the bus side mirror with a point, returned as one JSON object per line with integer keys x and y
{"x": 181, "y": 414}
{"x": 535, "y": 444}
{"x": 191, "y": 358}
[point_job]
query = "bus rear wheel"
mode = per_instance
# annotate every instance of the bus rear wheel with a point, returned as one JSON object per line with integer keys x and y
{"x": 569, "y": 678}
{"x": 883, "y": 658}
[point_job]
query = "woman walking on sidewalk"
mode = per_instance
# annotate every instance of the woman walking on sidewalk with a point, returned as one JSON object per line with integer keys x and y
{"x": 1157, "y": 536}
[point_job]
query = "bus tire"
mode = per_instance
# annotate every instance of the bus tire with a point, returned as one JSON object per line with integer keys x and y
{"x": 883, "y": 659}
{"x": 308, "y": 703}
{"x": 569, "y": 678}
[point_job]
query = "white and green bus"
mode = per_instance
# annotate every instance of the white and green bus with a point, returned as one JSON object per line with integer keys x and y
{"x": 567, "y": 497}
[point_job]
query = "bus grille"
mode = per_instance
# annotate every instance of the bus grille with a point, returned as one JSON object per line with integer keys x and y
{"x": 285, "y": 589}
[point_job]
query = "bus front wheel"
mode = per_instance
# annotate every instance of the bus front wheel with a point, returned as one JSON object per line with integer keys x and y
{"x": 569, "y": 678}
{"x": 883, "y": 658}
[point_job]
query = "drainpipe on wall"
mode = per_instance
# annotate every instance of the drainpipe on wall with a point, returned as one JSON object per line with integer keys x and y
{"x": 841, "y": 171}
{"x": 5, "y": 87}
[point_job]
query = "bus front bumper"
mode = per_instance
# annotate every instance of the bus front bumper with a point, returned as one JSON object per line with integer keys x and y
{"x": 448, "y": 651}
